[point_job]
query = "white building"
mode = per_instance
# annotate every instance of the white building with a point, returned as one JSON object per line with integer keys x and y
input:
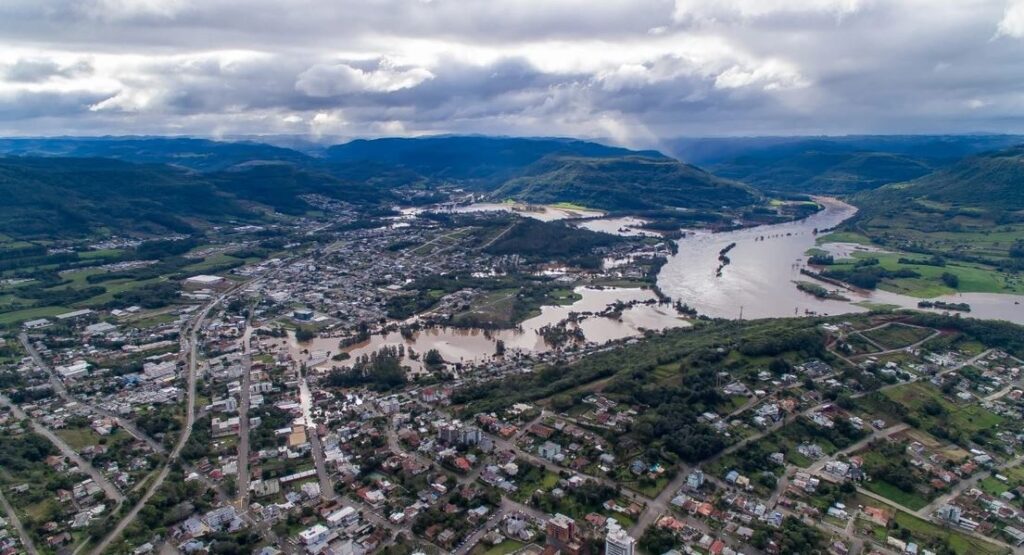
{"x": 74, "y": 370}
{"x": 618, "y": 542}
{"x": 314, "y": 535}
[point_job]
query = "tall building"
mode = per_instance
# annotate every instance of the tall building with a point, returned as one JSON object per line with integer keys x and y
{"x": 618, "y": 542}
{"x": 561, "y": 530}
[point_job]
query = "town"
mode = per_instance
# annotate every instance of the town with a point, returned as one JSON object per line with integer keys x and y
{"x": 295, "y": 403}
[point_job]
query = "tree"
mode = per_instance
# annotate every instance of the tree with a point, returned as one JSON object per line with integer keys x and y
{"x": 433, "y": 358}
{"x": 951, "y": 280}
{"x": 303, "y": 335}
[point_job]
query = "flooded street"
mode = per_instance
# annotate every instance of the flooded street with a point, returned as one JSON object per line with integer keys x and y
{"x": 766, "y": 260}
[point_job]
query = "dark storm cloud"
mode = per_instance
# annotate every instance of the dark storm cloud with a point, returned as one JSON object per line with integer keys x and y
{"x": 635, "y": 71}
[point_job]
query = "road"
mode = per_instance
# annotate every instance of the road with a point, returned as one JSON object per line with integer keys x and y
{"x": 111, "y": 492}
{"x": 316, "y": 446}
{"x": 245, "y": 395}
{"x": 660, "y": 504}
{"x": 58, "y": 387}
{"x": 877, "y": 434}
{"x": 964, "y": 485}
{"x": 189, "y": 344}
{"x": 883, "y": 350}
{"x": 26, "y": 540}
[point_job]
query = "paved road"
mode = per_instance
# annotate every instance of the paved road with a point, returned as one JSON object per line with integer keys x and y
{"x": 964, "y": 485}
{"x": 12, "y": 517}
{"x": 877, "y": 434}
{"x": 319, "y": 460}
{"x": 58, "y": 387}
{"x": 111, "y": 492}
{"x": 245, "y": 395}
{"x": 189, "y": 345}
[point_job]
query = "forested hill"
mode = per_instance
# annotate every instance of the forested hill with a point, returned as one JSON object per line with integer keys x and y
{"x": 72, "y": 186}
{"x": 78, "y": 196}
{"x": 993, "y": 181}
{"x": 197, "y": 154}
{"x": 832, "y": 165}
{"x": 486, "y": 159}
{"x": 972, "y": 211}
{"x": 625, "y": 183}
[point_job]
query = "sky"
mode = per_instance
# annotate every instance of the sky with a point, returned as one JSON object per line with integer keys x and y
{"x": 631, "y": 71}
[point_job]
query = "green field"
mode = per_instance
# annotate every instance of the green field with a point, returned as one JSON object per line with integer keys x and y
{"x": 897, "y": 336}
{"x": 19, "y": 316}
{"x": 910, "y": 500}
{"x": 973, "y": 278}
{"x": 964, "y": 419}
{"x": 844, "y": 237}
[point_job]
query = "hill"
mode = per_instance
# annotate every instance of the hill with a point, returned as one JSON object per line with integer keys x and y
{"x": 822, "y": 172}
{"x": 488, "y": 160}
{"x": 197, "y": 154}
{"x": 75, "y": 196}
{"x": 624, "y": 183}
{"x": 834, "y": 165}
{"x": 993, "y": 181}
{"x": 972, "y": 210}
{"x": 60, "y": 197}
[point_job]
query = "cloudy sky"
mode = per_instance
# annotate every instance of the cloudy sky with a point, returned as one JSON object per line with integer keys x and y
{"x": 634, "y": 71}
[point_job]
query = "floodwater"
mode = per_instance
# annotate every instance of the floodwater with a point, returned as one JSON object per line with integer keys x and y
{"x": 542, "y": 213}
{"x": 758, "y": 281}
{"x": 626, "y": 226}
{"x": 475, "y": 345}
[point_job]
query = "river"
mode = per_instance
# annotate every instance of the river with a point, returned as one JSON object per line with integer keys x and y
{"x": 758, "y": 281}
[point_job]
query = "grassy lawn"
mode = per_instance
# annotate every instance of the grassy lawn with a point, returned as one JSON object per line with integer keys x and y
{"x": 78, "y": 438}
{"x": 896, "y": 335}
{"x": 993, "y": 486}
{"x": 503, "y": 548}
{"x": 211, "y": 262}
{"x": 18, "y": 316}
{"x": 565, "y": 296}
{"x": 961, "y": 419}
{"x": 844, "y": 237}
{"x": 973, "y": 278}
{"x": 910, "y": 500}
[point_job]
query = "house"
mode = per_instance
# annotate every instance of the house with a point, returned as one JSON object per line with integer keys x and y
{"x": 549, "y": 450}
{"x": 314, "y": 535}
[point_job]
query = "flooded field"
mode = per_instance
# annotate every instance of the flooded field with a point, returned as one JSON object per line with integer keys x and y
{"x": 627, "y": 226}
{"x": 543, "y": 213}
{"x": 474, "y": 345}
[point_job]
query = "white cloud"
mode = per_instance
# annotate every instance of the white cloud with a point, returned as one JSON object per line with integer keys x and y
{"x": 704, "y": 10}
{"x": 624, "y": 68}
{"x": 1012, "y": 23}
{"x": 326, "y": 80}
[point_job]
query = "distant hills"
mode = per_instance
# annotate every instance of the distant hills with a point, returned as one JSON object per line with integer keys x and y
{"x": 196, "y": 154}
{"x": 992, "y": 181}
{"x": 149, "y": 185}
{"x": 832, "y": 165}
{"x": 475, "y": 159}
{"x": 972, "y": 210}
{"x": 68, "y": 186}
{"x": 625, "y": 183}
